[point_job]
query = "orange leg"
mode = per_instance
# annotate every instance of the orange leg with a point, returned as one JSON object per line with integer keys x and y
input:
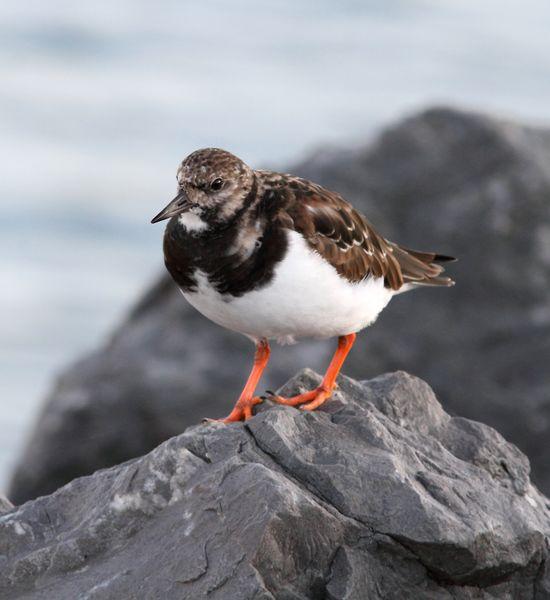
{"x": 243, "y": 407}
{"x": 313, "y": 399}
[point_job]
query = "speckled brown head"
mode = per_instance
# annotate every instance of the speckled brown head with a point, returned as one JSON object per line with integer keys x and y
{"x": 213, "y": 186}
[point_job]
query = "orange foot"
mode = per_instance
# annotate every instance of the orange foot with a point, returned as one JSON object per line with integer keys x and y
{"x": 308, "y": 400}
{"x": 314, "y": 399}
{"x": 242, "y": 411}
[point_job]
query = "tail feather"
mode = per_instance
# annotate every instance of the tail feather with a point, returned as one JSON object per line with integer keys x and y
{"x": 422, "y": 268}
{"x": 429, "y": 257}
{"x": 439, "y": 258}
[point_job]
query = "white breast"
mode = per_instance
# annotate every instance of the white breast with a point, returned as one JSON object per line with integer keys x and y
{"x": 305, "y": 299}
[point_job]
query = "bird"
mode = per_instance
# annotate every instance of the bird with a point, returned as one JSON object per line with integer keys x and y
{"x": 278, "y": 258}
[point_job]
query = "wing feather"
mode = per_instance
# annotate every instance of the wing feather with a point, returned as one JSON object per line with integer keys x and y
{"x": 346, "y": 239}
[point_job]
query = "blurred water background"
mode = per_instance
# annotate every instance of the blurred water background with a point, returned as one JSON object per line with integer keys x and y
{"x": 100, "y": 101}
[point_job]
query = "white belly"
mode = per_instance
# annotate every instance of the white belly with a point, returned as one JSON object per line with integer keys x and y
{"x": 305, "y": 299}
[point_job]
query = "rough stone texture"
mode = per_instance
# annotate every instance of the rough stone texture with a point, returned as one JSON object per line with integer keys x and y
{"x": 455, "y": 182}
{"x": 382, "y": 495}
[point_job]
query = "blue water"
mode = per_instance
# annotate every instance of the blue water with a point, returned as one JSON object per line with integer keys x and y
{"x": 99, "y": 101}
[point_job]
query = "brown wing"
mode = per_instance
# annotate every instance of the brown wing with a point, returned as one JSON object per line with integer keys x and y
{"x": 345, "y": 238}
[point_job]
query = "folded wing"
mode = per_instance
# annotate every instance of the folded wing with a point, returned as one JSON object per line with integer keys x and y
{"x": 344, "y": 237}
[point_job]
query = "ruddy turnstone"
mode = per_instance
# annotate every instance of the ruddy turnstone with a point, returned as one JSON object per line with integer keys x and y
{"x": 277, "y": 257}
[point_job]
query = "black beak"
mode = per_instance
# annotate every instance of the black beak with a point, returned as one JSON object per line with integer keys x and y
{"x": 178, "y": 205}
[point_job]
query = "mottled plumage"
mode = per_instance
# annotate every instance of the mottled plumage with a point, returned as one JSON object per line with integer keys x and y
{"x": 345, "y": 239}
{"x": 274, "y": 256}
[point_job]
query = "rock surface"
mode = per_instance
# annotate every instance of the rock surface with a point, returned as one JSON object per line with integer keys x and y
{"x": 456, "y": 182}
{"x": 5, "y": 504}
{"x": 381, "y": 495}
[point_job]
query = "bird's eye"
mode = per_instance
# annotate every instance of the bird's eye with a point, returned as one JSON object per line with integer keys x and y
{"x": 216, "y": 184}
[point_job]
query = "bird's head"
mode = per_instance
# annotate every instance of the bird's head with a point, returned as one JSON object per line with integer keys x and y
{"x": 213, "y": 186}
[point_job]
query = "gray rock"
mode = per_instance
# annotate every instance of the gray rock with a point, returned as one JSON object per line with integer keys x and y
{"x": 381, "y": 495}
{"x": 456, "y": 182}
{"x": 5, "y": 504}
